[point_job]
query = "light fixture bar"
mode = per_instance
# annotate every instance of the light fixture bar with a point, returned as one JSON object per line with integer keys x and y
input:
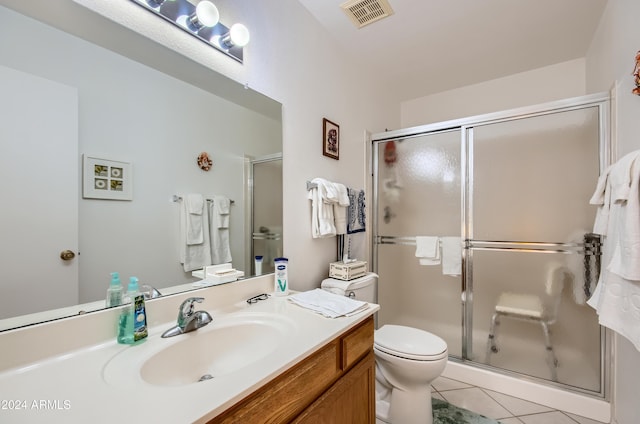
{"x": 183, "y": 14}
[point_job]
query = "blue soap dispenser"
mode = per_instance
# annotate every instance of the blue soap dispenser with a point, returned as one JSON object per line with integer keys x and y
{"x": 132, "y": 325}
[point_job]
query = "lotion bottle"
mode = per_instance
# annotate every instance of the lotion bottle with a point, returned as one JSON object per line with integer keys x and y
{"x": 281, "y": 283}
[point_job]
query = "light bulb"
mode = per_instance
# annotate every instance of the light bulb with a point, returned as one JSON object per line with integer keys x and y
{"x": 207, "y": 13}
{"x": 239, "y": 35}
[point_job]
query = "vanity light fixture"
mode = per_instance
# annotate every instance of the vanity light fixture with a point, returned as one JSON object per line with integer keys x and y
{"x": 201, "y": 20}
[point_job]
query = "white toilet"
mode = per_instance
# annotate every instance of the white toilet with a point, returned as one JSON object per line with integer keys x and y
{"x": 407, "y": 361}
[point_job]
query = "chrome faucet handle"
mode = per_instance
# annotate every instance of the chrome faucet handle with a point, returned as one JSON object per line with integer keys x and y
{"x": 149, "y": 292}
{"x": 188, "y": 320}
{"x": 186, "y": 310}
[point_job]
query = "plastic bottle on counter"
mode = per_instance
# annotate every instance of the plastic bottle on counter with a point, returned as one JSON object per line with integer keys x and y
{"x": 281, "y": 283}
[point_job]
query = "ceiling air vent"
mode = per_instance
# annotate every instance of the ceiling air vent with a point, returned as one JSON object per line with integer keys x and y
{"x": 365, "y": 12}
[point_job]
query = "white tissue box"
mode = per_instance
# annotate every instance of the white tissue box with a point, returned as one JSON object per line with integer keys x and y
{"x": 348, "y": 271}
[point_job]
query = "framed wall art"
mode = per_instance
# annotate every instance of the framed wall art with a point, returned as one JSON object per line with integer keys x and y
{"x": 330, "y": 139}
{"x": 106, "y": 179}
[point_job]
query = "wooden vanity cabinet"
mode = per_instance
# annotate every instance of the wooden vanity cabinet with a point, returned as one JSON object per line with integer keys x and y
{"x": 336, "y": 384}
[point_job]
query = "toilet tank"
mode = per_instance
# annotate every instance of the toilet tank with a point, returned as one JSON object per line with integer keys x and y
{"x": 362, "y": 288}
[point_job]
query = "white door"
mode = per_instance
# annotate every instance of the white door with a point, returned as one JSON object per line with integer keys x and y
{"x": 39, "y": 214}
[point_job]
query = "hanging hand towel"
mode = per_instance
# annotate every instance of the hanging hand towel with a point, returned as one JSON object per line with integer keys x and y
{"x": 220, "y": 246}
{"x": 451, "y": 256}
{"x": 322, "y": 221}
{"x": 428, "y": 250}
{"x": 328, "y": 304}
{"x": 193, "y": 256}
{"x": 619, "y": 283}
{"x": 340, "y": 208}
{"x": 355, "y": 212}
{"x": 625, "y": 183}
{"x": 194, "y": 203}
{"x": 222, "y": 207}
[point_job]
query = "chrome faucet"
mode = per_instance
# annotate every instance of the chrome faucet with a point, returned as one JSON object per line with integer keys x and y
{"x": 149, "y": 292}
{"x": 188, "y": 320}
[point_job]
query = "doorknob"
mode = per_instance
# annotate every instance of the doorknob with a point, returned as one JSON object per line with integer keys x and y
{"x": 67, "y": 255}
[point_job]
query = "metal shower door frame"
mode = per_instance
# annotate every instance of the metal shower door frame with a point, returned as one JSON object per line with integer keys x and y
{"x": 466, "y": 127}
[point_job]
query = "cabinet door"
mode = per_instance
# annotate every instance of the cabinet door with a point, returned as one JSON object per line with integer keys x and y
{"x": 284, "y": 397}
{"x": 350, "y": 400}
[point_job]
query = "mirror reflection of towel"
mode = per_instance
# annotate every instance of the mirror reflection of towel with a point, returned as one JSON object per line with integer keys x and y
{"x": 193, "y": 256}
{"x": 221, "y": 210}
{"x": 194, "y": 206}
{"x": 220, "y": 247}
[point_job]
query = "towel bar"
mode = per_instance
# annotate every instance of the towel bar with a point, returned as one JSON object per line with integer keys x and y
{"x": 176, "y": 198}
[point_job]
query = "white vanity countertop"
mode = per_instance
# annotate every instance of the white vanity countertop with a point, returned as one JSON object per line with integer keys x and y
{"x": 71, "y": 388}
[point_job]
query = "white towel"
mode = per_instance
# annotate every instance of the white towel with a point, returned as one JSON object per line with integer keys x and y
{"x": 322, "y": 220}
{"x": 328, "y": 304}
{"x": 428, "y": 250}
{"x": 340, "y": 208}
{"x": 451, "y": 255}
{"x": 615, "y": 297}
{"x": 342, "y": 287}
{"x": 220, "y": 246}
{"x": 194, "y": 204}
{"x": 193, "y": 256}
{"x": 222, "y": 206}
{"x": 625, "y": 182}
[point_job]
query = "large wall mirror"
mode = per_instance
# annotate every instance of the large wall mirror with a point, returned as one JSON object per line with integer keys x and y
{"x": 65, "y": 97}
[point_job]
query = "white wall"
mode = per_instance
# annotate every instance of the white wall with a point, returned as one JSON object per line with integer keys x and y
{"x": 541, "y": 85}
{"x": 610, "y": 58}
{"x": 294, "y": 60}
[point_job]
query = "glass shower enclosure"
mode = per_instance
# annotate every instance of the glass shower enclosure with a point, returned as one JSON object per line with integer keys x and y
{"x": 507, "y": 196}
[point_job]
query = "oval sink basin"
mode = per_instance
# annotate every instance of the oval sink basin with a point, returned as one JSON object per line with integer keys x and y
{"x": 223, "y": 347}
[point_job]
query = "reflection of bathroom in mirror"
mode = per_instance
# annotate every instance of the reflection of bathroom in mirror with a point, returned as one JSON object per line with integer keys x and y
{"x": 116, "y": 108}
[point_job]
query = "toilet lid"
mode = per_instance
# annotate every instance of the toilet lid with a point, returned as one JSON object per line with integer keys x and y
{"x": 408, "y": 342}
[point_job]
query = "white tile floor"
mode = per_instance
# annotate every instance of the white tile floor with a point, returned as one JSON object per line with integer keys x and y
{"x": 506, "y": 409}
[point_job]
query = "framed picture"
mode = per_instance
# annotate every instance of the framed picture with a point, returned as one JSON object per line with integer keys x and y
{"x": 330, "y": 139}
{"x": 106, "y": 179}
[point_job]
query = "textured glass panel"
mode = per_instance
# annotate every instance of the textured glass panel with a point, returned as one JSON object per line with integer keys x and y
{"x": 420, "y": 195}
{"x": 533, "y": 177}
{"x": 267, "y": 214}
{"x": 525, "y": 290}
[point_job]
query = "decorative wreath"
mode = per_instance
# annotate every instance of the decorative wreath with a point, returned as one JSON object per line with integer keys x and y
{"x": 636, "y": 75}
{"x": 204, "y": 162}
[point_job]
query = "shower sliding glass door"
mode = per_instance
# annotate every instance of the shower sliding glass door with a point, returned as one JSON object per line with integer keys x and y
{"x": 419, "y": 194}
{"x": 515, "y": 189}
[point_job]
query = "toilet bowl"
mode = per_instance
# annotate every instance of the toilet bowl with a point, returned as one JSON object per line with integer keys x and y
{"x": 407, "y": 361}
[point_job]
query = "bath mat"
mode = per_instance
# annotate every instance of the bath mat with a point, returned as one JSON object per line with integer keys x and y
{"x": 445, "y": 413}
